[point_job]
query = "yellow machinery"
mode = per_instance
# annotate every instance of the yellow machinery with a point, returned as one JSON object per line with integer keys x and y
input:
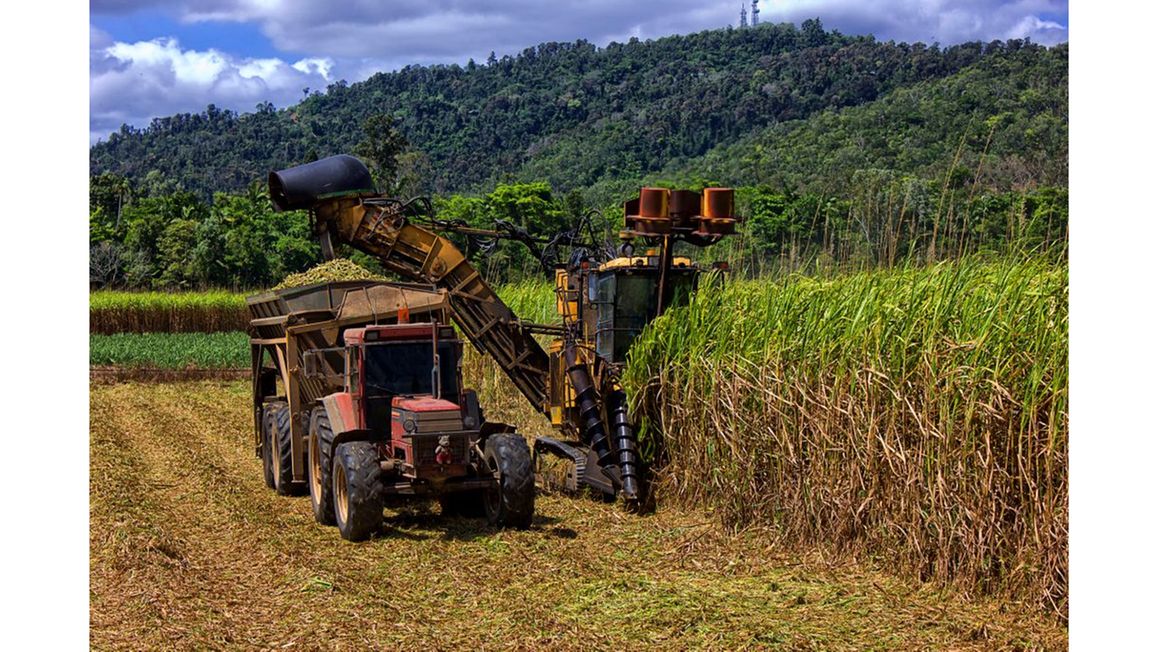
{"x": 603, "y": 304}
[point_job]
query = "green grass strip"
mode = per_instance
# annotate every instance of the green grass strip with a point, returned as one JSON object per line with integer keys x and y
{"x": 171, "y": 350}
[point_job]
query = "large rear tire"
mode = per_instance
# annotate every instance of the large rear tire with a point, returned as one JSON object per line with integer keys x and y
{"x": 510, "y": 503}
{"x": 320, "y": 456}
{"x": 282, "y": 453}
{"x": 358, "y": 497}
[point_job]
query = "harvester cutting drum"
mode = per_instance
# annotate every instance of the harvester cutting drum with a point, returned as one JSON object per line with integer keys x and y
{"x": 603, "y": 302}
{"x": 358, "y": 397}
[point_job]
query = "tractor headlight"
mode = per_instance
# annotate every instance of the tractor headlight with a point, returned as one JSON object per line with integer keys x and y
{"x": 409, "y": 425}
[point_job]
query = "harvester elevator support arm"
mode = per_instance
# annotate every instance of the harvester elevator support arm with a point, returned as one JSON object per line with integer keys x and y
{"x": 416, "y": 253}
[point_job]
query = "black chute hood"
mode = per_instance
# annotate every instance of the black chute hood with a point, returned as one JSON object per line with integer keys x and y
{"x": 303, "y": 186}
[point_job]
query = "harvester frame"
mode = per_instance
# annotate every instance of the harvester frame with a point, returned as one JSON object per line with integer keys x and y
{"x": 576, "y": 383}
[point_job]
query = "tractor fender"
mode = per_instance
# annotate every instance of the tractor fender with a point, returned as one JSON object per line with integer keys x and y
{"x": 340, "y": 410}
{"x": 344, "y": 422}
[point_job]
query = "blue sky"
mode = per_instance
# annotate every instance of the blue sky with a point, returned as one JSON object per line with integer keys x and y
{"x": 150, "y": 58}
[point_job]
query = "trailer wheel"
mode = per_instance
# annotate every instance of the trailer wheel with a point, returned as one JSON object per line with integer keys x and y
{"x": 282, "y": 453}
{"x": 267, "y": 444}
{"x": 358, "y": 498}
{"x": 320, "y": 456}
{"x": 511, "y": 503}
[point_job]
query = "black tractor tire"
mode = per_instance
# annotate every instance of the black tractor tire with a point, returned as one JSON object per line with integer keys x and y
{"x": 267, "y": 444}
{"x": 358, "y": 496}
{"x": 320, "y": 458}
{"x": 513, "y": 502}
{"x": 282, "y": 453}
{"x": 468, "y": 504}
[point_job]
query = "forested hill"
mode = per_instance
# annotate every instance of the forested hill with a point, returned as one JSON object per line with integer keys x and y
{"x": 1001, "y": 122}
{"x": 581, "y": 116}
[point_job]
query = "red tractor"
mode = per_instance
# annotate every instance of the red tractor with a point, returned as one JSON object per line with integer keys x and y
{"x": 385, "y": 414}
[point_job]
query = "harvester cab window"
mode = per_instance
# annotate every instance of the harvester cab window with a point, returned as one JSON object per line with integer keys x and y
{"x": 625, "y": 302}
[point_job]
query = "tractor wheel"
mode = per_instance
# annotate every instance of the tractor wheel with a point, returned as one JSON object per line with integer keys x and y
{"x": 511, "y": 503}
{"x": 462, "y": 503}
{"x": 282, "y": 453}
{"x": 267, "y": 443}
{"x": 358, "y": 498}
{"x": 320, "y": 456}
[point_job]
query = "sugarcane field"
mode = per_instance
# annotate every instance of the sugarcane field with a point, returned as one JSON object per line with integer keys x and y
{"x": 176, "y": 558}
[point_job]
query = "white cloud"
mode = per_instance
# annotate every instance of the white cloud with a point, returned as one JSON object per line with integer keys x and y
{"x": 452, "y": 30}
{"x": 421, "y": 31}
{"x": 310, "y": 66}
{"x": 1042, "y": 31}
{"x": 944, "y": 21}
{"x": 98, "y": 38}
{"x": 262, "y": 68}
{"x": 135, "y": 82}
{"x": 185, "y": 67}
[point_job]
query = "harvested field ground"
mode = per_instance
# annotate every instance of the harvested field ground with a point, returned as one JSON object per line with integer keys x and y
{"x": 189, "y": 550}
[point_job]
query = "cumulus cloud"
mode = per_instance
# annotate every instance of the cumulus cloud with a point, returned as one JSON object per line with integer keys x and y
{"x": 452, "y": 30}
{"x": 944, "y": 21}
{"x": 1038, "y": 30}
{"x": 135, "y": 82}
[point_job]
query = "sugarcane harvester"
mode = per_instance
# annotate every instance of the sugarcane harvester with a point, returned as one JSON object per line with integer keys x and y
{"x": 604, "y": 299}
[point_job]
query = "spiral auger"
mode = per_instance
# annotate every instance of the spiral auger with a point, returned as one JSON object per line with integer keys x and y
{"x": 594, "y": 433}
{"x": 624, "y": 439}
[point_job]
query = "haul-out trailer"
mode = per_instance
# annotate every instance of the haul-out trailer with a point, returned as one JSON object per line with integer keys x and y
{"x": 358, "y": 397}
{"x": 604, "y": 301}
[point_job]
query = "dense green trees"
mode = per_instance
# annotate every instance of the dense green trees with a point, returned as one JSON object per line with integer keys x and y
{"x": 238, "y": 241}
{"x": 526, "y": 207}
{"x": 844, "y": 151}
{"x": 175, "y": 241}
{"x": 178, "y": 241}
{"x": 381, "y": 146}
{"x": 1001, "y": 123}
{"x": 889, "y": 218}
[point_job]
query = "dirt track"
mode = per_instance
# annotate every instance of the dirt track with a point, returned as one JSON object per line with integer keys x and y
{"x": 189, "y": 550}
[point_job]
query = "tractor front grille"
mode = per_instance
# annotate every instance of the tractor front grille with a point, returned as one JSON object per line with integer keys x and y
{"x": 423, "y": 447}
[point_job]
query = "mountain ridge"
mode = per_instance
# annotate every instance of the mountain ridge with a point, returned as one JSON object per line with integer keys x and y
{"x": 571, "y": 113}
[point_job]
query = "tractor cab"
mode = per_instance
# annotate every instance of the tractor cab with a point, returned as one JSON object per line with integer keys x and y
{"x": 404, "y": 385}
{"x": 399, "y": 364}
{"x": 615, "y": 300}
